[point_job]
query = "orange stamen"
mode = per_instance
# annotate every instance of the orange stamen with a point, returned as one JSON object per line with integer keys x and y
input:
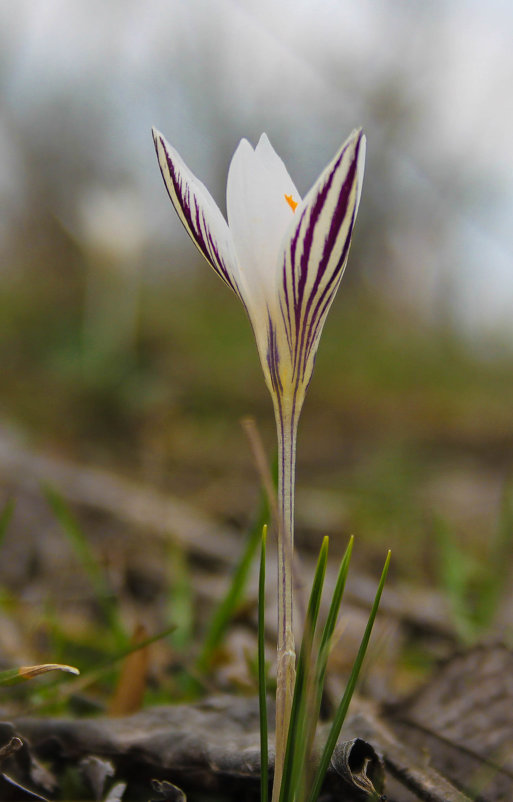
{"x": 292, "y": 203}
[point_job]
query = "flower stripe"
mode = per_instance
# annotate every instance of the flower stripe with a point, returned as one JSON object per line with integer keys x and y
{"x": 315, "y": 258}
{"x": 198, "y": 213}
{"x": 273, "y": 358}
{"x": 313, "y": 267}
{"x": 325, "y": 299}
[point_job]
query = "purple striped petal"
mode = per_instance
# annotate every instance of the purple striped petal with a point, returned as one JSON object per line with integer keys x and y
{"x": 199, "y": 213}
{"x": 316, "y": 253}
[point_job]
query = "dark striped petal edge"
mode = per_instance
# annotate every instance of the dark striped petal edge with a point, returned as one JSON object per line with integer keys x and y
{"x": 199, "y": 213}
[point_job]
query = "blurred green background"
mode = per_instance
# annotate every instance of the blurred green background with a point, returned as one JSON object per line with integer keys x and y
{"x": 120, "y": 348}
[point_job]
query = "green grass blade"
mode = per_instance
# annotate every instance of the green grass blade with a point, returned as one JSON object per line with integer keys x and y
{"x": 298, "y": 736}
{"x": 86, "y": 556}
{"x": 336, "y": 601}
{"x": 5, "y": 518}
{"x": 225, "y": 610}
{"x": 262, "y": 694}
{"x": 346, "y": 699}
{"x": 325, "y": 643}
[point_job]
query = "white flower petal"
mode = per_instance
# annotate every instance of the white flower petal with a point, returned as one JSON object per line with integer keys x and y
{"x": 199, "y": 213}
{"x": 259, "y": 215}
{"x": 316, "y": 253}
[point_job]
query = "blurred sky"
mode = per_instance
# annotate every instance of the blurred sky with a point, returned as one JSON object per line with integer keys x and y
{"x": 431, "y": 81}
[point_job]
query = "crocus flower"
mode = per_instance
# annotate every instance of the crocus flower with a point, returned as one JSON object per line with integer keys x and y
{"x": 284, "y": 257}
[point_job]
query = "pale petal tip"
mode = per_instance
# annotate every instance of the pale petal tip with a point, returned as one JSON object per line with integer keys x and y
{"x": 352, "y": 153}
{"x": 362, "y": 151}
{"x": 165, "y": 152}
{"x": 162, "y": 145}
{"x": 263, "y": 141}
{"x": 361, "y": 142}
{"x": 245, "y": 144}
{"x": 159, "y": 142}
{"x": 243, "y": 151}
{"x": 360, "y": 166}
{"x": 356, "y": 137}
{"x": 357, "y": 141}
{"x": 265, "y": 149}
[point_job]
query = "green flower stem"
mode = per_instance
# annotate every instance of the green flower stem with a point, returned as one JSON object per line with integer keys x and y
{"x": 287, "y": 416}
{"x": 262, "y": 679}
